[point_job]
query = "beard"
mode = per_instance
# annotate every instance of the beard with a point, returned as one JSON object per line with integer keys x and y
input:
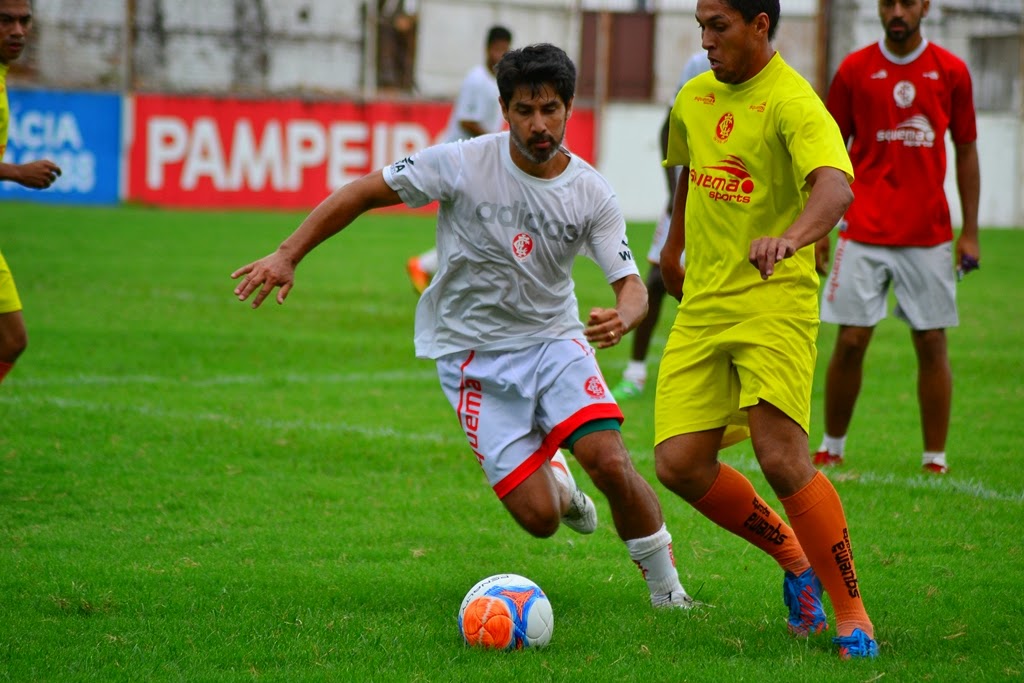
{"x": 537, "y": 156}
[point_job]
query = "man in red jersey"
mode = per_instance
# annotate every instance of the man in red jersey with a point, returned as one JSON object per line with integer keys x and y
{"x": 894, "y": 101}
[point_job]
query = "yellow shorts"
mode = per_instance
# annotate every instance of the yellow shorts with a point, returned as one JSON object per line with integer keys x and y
{"x": 9, "y": 301}
{"x": 710, "y": 375}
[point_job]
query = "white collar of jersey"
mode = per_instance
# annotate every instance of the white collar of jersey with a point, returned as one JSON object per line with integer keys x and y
{"x": 907, "y": 59}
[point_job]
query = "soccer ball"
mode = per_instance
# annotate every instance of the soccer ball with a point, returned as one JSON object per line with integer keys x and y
{"x": 506, "y": 612}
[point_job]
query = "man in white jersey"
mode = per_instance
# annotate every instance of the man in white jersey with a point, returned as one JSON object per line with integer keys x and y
{"x": 634, "y": 378}
{"x": 501, "y": 319}
{"x": 476, "y": 112}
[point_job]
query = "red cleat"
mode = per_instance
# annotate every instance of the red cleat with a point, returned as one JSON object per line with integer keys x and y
{"x": 825, "y": 459}
{"x": 935, "y": 468}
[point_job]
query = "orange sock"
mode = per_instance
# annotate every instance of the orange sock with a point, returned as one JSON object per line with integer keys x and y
{"x": 4, "y": 369}
{"x": 733, "y": 504}
{"x": 816, "y": 514}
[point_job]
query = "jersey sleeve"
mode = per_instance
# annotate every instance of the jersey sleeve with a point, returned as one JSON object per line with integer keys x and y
{"x": 678, "y": 152}
{"x": 963, "y": 127}
{"x": 608, "y": 245}
{"x": 838, "y": 103}
{"x": 472, "y": 101}
{"x": 425, "y": 176}
{"x": 813, "y": 137}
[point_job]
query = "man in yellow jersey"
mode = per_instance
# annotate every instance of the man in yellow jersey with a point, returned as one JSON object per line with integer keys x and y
{"x": 768, "y": 175}
{"x": 15, "y": 23}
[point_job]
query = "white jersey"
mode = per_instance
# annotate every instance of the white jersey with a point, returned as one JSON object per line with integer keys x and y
{"x": 477, "y": 101}
{"x": 507, "y": 242}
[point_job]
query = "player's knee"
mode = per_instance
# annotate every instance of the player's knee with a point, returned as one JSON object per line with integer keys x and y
{"x": 13, "y": 344}
{"x": 540, "y": 524}
{"x": 611, "y": 470}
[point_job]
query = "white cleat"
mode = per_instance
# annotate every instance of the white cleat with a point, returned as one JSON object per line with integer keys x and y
{"x": 582, "y": 515}
{"x": 678, "y": 599}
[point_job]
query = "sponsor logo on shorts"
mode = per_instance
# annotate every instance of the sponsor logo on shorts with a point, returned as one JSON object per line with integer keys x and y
{"x": 757, "y": 522}
{"x": 916, "y": 131}
{"x": 470, "y": 401}
{"x": 843, "y": 554}
{"x": 594, "y": 387}
{"x": 522, "y": 245}
{"x": 727, "y": 181}
{"x": 705, "y": 99}
{"x": 724, "y": 128}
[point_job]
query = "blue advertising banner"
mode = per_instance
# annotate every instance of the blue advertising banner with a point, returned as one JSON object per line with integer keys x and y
{"x": 80, "y": 132}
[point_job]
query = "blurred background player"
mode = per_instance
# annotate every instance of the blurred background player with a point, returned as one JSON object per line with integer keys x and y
{"x": 15, "y": 25}
{"x": 476, "y": 112}
{"x": 634, "y": 378}
{"x": 895, "y": 100}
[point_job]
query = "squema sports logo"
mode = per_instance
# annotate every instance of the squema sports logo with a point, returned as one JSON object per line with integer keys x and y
{"x": 727, "y": 181}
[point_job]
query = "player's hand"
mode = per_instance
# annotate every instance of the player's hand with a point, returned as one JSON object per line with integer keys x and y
{"x": 822, "y": 254}
{"x": 269, "y": 272}
{"x": 604, "y": 327}
{"x": 765, "y": 252}
{"x": 968, "y": 255}
{"x": 38, "y": 175}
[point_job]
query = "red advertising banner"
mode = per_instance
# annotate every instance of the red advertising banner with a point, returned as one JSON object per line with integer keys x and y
{"x": 234, "y": 153}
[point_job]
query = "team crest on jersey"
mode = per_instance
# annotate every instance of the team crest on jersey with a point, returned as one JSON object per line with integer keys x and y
{"x": 594, "y": 387}
{"x": 904, "y": 94}
{"x": 522, "y": 245}
{"x": 724, "y": 128}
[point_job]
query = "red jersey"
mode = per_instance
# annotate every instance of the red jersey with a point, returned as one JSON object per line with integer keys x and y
{"x": 897, "y": 111}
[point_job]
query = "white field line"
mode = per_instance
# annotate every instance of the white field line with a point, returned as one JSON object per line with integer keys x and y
{"x": 227, "y": 380}
{"x": 70, "y": 404}
{"x": 747, "y": 463}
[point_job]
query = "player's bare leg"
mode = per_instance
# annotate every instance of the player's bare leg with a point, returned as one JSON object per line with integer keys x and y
{"x": 636, "y": 513}
{"x": 842, "y": 387}
{"x": 934, "y": 395}
{"x": 13, "y": 340}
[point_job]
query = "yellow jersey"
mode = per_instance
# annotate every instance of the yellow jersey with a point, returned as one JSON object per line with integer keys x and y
{"x": 749, "y": 148}
{"x": 5, "y": 110}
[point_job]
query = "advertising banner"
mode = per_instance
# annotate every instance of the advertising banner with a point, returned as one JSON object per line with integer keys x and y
{"x": 289, "y": 154}
{"x": 81, "y": 132}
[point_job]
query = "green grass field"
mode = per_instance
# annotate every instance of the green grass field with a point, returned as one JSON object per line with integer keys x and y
{"x": 195, "y": 491}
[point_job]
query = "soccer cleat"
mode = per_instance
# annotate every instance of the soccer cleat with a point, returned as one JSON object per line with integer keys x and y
{"x": 678, "y": 599}
{"x": 419, "y": 277}
{"x": 934, "y": 468}
{"x": 581, "y": 516}
{"x": 857, "y": 645}
{"x": 627, "y": 388}
{"x": 802, "y": 595}
{"x": 825, "y": 459}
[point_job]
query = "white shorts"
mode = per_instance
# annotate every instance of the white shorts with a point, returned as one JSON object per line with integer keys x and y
{"x": 658, "y": 241}
{"x": 518, "y": 407}
{"x": 922, "y": 278}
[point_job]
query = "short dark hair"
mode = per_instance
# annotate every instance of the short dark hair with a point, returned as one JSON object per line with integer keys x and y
{"x": 536, "y": 66}
{"x": 751, "y": 8}
{"x": 498, "y": 33}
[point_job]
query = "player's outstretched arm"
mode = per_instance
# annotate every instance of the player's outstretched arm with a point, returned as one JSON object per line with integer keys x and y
{"x": 338, "y": 211}
{"x": 605, "y": 326}
{"x": 830, "y": 197}
{"x": 37, "y": 175}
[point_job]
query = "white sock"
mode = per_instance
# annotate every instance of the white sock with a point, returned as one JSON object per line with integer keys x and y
{"x": 428, "y": 261}
{"x": 833, "y": 444}
{"x": 934, "y": 458}
{"x": 653, "y": 554}
{"x": 636, "y": 372}
{"x": 563, "y": 474}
